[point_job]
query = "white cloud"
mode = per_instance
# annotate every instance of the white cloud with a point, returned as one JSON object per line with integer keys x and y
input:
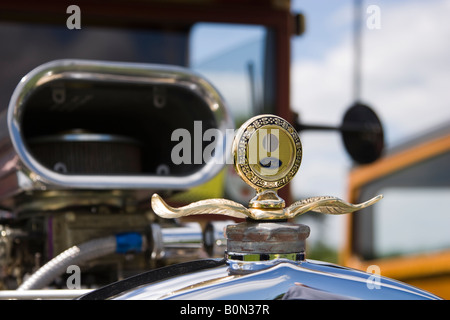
{"x": 406, "y": 78}
{"x": 406, "y": 72}
{"x": 234, "y": 87}
{"x": 407, "y": 69}
{"x": 321, "y": 90}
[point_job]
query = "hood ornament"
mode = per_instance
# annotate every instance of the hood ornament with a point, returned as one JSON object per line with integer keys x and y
{"x": 324, "y": 204}
{"x": 267, "y": 154}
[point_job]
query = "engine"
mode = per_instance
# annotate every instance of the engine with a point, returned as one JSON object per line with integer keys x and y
{"x": 83, "y": 144}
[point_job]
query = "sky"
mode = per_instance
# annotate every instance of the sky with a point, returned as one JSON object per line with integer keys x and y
{"x": 405, "y": 66}
{"x": 405, "y": 77}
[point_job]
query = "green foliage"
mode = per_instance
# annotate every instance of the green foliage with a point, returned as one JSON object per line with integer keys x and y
{"x": 322, "y": 252}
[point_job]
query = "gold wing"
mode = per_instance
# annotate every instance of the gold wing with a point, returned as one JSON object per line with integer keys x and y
{"x": 210, "y": 206}
{"x": 327, "y": 205}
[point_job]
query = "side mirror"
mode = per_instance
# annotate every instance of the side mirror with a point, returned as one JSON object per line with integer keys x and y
{"x": 361, "y": 130}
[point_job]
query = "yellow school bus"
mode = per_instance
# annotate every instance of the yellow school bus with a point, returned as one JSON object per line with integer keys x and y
{"x": 406, "y": 236}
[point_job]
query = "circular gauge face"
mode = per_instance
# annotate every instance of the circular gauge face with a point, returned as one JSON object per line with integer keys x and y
{"x": 267, "y": 152}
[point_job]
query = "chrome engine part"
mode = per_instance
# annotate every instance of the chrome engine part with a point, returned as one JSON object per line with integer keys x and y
{"x": 77, "y": 125}
{"x": 83, "y": 144}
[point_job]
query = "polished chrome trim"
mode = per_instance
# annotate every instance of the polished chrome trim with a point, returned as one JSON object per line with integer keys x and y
{"x": 247, "y": 257}
{"x": 273, "y": 281}
{"x": 45, "y": 294}
{"x": 83, "y": 137}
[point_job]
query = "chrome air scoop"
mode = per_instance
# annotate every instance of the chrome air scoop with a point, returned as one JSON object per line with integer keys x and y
{"x": 267, "y": 154}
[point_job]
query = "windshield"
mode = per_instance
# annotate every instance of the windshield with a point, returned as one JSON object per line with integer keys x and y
{"x": 29, "y": 45}
{"x": 412, "y": 218}
{"x": 230, "y": 56}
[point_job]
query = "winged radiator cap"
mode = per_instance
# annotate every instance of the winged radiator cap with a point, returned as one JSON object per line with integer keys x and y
{"x": 267, "y": 154}
{"x": 265, "y": 258}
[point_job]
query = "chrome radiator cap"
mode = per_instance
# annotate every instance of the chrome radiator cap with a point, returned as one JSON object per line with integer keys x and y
{"x": 264, "y": 241}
